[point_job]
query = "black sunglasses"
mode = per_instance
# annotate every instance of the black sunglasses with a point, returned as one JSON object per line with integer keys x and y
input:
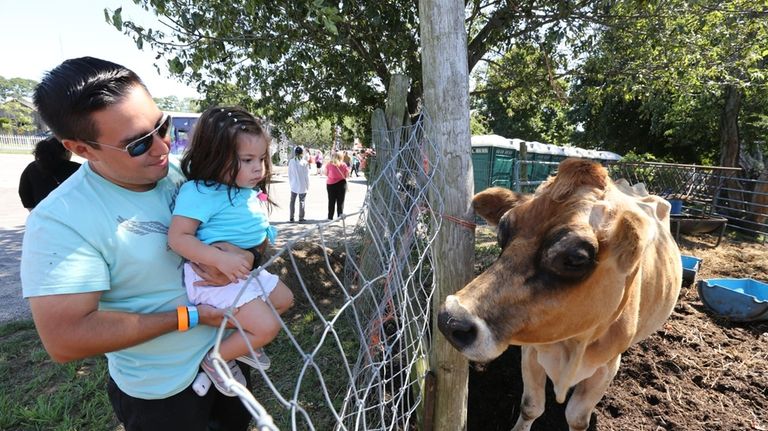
{"x": 143, "y": 144}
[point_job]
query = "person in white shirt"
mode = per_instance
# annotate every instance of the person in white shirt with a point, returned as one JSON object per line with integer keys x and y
{"x": 298, "y": 180}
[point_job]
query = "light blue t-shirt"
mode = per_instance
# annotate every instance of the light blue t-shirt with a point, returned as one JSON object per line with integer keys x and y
{"x": 90, "y": 235}
{"x": 241, "y": 221}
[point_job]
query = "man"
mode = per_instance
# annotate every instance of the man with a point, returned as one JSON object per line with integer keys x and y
{"x": 298, "y": 180}
{"x": 96, "y": 267}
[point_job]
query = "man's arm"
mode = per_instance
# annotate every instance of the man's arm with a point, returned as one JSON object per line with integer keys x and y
{"x": 72, "y": 327}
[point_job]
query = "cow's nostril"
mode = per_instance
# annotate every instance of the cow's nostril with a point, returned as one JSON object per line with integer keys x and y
{"x": 459, "y": 332}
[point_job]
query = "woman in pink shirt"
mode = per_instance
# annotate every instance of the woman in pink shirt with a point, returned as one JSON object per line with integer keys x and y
{"x": 336, "y": 182}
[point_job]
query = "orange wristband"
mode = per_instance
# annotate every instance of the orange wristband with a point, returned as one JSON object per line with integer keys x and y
{"x": 183, "y": 314}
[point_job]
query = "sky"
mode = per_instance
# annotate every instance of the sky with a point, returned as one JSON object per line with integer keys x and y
{"x": 37, "y": 35}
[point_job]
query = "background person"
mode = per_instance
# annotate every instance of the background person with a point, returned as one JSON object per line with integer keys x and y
{"x": 298, "y": 181}
{"x": 229, "y": 168}
{"x": 355, "y": 164}
{"x": 336, "y": 172}
{"x": 319, "y": 161}
{"x": 95, "y": 261}
{"x": 51, "y": 167}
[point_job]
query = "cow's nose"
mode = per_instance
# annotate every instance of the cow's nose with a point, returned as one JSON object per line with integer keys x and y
{"x": 460, "y": 332}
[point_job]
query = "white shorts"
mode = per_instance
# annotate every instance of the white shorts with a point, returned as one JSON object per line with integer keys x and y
{"x": 260, "y": 286}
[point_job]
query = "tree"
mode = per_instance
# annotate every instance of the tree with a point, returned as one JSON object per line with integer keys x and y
{"x": 523, "y": 96}
{"x": 173, "y": 103}
{"x": 16, "y": 118}
{"x": 16, "y": 88}
{"x": 332, "y": 58}
{"x": 311, "y": 133}
{"x": 693, "y": 50}
{"x": 478, "y": 124}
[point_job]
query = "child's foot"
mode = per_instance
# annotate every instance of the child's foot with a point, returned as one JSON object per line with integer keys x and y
{"x": 262, "y": 360}
{"x": 218, "y": 381}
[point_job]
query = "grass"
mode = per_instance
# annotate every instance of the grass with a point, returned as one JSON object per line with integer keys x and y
{"x": 322, "y": 363}
{"x": 38, "y": 394}
{"x": 487, "y": 248}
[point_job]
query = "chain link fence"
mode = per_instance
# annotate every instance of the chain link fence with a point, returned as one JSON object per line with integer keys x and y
{"x": 352, "y": 354}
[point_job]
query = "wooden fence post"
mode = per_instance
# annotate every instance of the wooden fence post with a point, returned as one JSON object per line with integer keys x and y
{"x": 446, "y": 96}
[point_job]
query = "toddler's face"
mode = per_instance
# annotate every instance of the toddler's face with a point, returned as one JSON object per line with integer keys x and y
{"x": 252, "y": 154}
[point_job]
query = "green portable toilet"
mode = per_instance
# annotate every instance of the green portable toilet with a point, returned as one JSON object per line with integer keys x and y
{"x": 607, "y": 157}
{"x": 558, "y": 153}
{"x": 541, "y": 154}
{"x": 493, "y": 159}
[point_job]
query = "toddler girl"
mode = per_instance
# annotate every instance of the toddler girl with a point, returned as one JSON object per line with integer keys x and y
{"x": 228, "y": 167}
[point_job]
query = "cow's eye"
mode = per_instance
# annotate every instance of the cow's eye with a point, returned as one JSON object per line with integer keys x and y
{"x": 575, "y": 261}
{"x": 568, "y": 254}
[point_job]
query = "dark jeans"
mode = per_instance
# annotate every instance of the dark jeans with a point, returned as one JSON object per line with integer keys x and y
{"x": 185, "y": 411}
{"x": 292, "y": 207}
{"x": 336, "y": 193}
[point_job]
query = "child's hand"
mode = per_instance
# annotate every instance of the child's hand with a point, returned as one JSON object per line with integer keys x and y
{"x": 212, "y": 316}
{"x": 234, "y": 265}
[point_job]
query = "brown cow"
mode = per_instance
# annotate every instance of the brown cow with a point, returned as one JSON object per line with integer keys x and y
{"x": 588, "y": 267}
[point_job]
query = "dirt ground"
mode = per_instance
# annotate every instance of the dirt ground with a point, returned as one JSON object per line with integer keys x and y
{"x": 699, "y": 372}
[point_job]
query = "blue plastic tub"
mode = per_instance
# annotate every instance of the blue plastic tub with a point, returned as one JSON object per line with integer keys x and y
{"x": 691, "y": 266}
{"x": 742, "y": 299}
{"x": 677, "y": 206}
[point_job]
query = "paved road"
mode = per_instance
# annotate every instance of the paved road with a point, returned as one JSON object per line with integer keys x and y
{"x": 13, "y": 216}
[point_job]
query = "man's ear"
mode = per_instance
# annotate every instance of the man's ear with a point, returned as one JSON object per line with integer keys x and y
{"x": 81, "y": 149}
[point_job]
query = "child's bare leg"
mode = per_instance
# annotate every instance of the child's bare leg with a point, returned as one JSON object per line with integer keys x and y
{"x": 281, "y": 297}
{"x": 260, "y": 324}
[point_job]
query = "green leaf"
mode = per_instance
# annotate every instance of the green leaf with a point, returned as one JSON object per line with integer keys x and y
{"x": 117, "y": 19}
{"x": 176, "y": 66}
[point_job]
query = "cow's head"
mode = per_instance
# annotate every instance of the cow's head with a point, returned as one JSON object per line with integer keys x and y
{"x": 569, "y": 254}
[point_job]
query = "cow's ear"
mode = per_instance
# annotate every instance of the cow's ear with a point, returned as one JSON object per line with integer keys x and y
{"x": 631, "y": 235}
{"x": 491, "y": 204}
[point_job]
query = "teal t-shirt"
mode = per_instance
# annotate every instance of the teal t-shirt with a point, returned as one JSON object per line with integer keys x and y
{"x": 90, "y": 235}
{"x": 240, "y": 220}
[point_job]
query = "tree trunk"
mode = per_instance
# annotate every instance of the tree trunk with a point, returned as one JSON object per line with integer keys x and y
{"x": 446, "y": 101}
{"x": 729, "y": 127}
{"x": 729, "y": 149}
{"x": 396, "y": 101}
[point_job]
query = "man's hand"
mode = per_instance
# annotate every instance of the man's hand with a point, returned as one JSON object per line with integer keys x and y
{"x": 212, "y": 276}
{"x": 233, "y": 265}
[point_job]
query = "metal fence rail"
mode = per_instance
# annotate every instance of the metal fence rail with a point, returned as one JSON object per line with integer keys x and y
{"x": 706, "y": 191}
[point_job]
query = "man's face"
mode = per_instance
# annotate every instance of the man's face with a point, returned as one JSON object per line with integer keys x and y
{"x": 117, "y": 125}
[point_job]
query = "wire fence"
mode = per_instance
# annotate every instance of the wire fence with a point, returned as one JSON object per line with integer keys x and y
{"x": 711, "y": 198}
{"x": 352, "y": 354}
{"x": 706, "y": 193}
